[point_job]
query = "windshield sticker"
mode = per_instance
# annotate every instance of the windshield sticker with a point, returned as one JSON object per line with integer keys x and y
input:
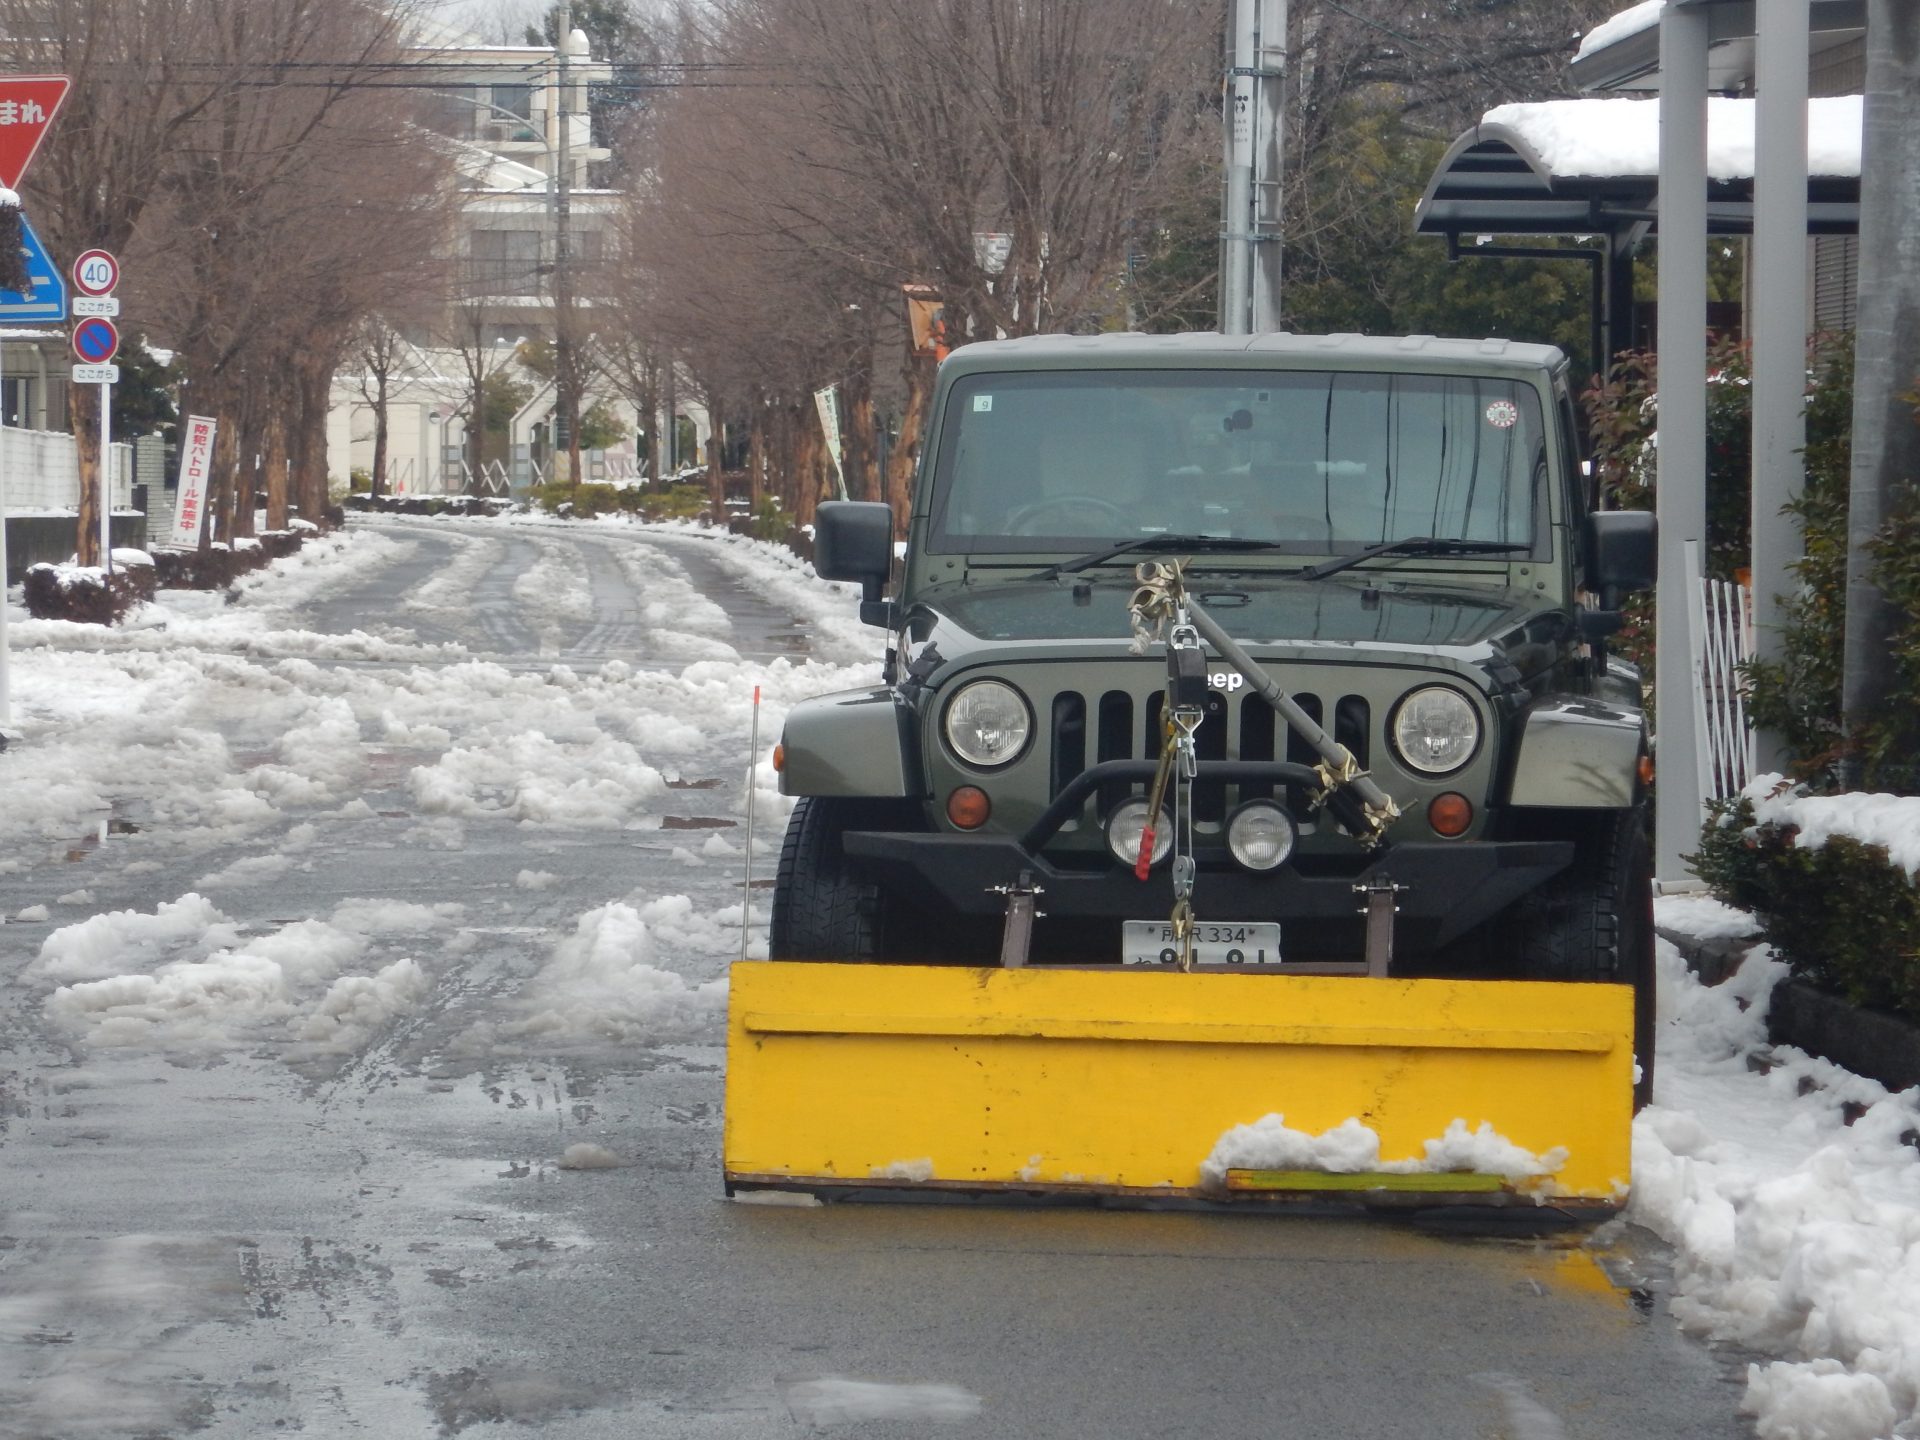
{"x": 1503, "y": 414}
{"x": 982, "y": 402}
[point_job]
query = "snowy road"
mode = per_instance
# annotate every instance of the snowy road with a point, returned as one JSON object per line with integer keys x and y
{"x": 360, "y": 1071}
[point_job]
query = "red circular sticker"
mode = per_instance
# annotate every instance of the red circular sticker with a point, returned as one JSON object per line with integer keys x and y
{"x": 1503, "y": 414}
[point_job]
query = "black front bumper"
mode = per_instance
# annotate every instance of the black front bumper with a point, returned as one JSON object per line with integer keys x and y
{"x": 1447, "y": 887}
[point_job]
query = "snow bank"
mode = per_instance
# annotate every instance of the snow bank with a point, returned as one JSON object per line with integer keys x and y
{"x": 1788, "y": 1197}
{"x": 183, "y": 981}
{"x": 603, "y": 981}
{"x": 106, "y": 944}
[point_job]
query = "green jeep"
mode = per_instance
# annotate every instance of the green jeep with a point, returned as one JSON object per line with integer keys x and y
{"x": 1398, "y": 531}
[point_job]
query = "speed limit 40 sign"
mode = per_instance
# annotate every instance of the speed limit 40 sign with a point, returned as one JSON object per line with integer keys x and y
{"x": 95, "y": 272}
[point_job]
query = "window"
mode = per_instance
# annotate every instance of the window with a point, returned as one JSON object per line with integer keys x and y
{"x": 514, "y": 99}
{"x": 16, "y": 400}
{"x": 1324, "y": 461}
{"x": 505, "y": 262}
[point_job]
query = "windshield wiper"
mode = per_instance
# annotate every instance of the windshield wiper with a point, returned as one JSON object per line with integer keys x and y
{"x": 1154, "y": 542}
{"x": 1416, "y": 545}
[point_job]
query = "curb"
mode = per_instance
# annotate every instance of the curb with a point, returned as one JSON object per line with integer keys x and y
{"x": 1867, "y": 1042}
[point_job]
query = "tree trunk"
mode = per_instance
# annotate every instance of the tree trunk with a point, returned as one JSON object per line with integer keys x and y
{"x": 83, "y": 405}
{"x": 906, "y": 449}
{"x": 757, "y": 455}
{"x": 226, "y": 457}
{"x": 377, "y": 486}
{"x": 246, "y": 478}
{"x": 314, "y": 385}
{"x": 276, "y": 448}
{"x": 650, "y": 406}
{"x": 861, "y": 442}
{"x": 716, "y": 461}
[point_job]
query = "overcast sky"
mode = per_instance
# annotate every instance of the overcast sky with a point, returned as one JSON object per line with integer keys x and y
{"x": 495, "y": 20}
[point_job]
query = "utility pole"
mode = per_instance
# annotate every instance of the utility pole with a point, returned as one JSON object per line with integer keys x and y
{"x": 566, "y": 388}
{"x": 1250, "y": 216}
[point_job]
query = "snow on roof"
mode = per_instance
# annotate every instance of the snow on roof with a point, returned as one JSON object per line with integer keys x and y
{"x": 1616, "y": 28}
{"x": 1622, "y": 137}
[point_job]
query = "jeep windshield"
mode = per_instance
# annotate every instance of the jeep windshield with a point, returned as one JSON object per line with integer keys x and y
{"x": 1309, "y": 462}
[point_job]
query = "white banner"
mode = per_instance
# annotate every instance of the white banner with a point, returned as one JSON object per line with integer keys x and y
{"x": 196, "y": 463}
{"x": 825, "y": 402}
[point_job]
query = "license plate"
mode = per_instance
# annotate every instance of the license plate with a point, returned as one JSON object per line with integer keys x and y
{"x": 1150, "y": 942}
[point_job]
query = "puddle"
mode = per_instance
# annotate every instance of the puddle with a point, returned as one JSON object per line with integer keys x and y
{"x": 693, "y": 784}
{"x": 697, "y": 822}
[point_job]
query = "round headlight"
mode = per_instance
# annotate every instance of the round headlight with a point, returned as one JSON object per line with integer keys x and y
{"x": 1124, "y": 826}
{"x": 1261, "y": 835}
{"x": 1436, "y": 730}
{"x": 988, "y": 724}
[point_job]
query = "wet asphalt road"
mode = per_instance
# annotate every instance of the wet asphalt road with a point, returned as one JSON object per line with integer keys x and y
{"x": 386, "y": 1246}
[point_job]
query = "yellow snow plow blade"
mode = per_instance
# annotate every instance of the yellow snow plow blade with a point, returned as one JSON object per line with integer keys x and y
{"x": 1127, "y": 1083}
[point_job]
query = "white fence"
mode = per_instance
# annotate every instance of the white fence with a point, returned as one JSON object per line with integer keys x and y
{"x": 1720, "y": 636}
{"x": 40, "y": 470}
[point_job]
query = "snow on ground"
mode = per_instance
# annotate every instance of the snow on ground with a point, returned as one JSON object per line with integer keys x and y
{"x": 1790, "y": 1191}
{"x": 237, "y": 729}
{"x": 229, "y": 727}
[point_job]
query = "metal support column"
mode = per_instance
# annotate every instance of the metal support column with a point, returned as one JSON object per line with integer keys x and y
{"x": 1681, "y": 490}
{"x": 1886, "y": 447}
{"x": 1777, "y": 321}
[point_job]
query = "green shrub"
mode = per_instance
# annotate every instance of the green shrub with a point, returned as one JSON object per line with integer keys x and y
{"x": 673, "y": 502}
{"x": 770, "y": 522}
{"x": 1842, "y": 915}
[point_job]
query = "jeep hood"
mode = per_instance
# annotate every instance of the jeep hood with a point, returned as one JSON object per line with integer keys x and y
{"x": 1376, "y": 610}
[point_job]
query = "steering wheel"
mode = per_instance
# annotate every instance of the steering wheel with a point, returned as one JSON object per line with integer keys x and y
{"x": 1024, "y": 519}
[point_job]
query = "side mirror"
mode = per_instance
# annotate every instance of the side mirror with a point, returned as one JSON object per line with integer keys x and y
{"x": 1623, "y": 551}
{"x": 853, "y": 540}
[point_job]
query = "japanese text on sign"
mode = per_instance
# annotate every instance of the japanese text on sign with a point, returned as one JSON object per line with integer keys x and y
{"x": 22, "y": 112}
{"x": 196, "y": 459}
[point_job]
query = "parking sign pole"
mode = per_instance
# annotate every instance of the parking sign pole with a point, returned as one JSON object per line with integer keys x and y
{"x": 6, "y": 701}
{"x": 106, "y": 477}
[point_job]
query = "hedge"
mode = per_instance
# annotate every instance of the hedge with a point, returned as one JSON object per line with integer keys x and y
{"x": 1842, "y": 914}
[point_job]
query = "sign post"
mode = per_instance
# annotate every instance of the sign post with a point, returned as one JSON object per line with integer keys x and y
{"x": 27, "y": 107}
{"x": 96, "y": 339}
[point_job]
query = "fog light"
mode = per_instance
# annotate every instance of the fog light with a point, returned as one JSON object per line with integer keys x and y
{"x": 968, "y": 807}
{"x": 1260, "y": 835}
{"x": 1450, "y": 814}
{"x": 1124, "y": 828}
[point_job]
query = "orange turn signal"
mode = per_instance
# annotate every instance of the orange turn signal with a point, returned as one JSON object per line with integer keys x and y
{"x": 968, "y": 807}
{"x": 1646, "y": 769}
{"x": 779, "y": 758}
{"x": 1450, "y": 814}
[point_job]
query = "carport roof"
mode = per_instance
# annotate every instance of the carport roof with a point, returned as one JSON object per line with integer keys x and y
{"x": 1587, "y": 167}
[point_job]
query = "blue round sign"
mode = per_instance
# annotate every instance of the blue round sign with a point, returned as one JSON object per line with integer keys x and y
{"x": 95, "y": 340}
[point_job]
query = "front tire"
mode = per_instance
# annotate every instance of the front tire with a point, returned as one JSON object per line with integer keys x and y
{"x": 821, "y": 909}
{"x": 1594, "y": 922}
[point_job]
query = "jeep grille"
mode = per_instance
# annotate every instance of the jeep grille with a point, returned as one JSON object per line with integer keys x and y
{"x": 1086, "y": 729}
